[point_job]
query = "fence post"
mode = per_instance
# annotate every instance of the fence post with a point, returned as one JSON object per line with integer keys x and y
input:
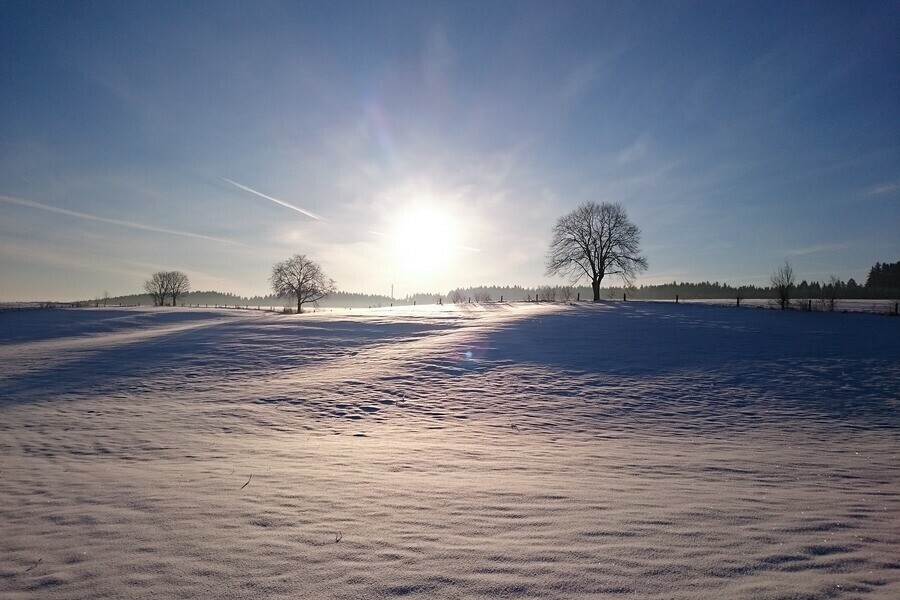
{"x": 501, "y": 298}
{"x": 895, "y": 308}
{"x": 676, "y": 298}
{"x": 739, "y": 301}
{"x": 809, "y": 305}
{"x": 624, "y": 298}
{"x": 578, "y": 299}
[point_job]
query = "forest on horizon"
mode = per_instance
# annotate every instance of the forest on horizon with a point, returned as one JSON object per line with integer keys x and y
{"x": 883, "y": 282}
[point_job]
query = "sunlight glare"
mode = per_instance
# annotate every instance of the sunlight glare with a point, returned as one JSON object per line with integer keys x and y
{"x": 424, "y": 241}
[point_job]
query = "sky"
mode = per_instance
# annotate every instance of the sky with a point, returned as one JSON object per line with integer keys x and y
{"x": 430, "y": 145}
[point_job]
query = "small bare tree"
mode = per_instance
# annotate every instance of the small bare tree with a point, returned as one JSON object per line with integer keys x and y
{"x": 302, "y": 279}
{"x": 782, "y": 281}
{"x": 830, "y": 292}
{"x": 457, "y": 297}
{"x": 593, "y": 241}
{"x": 177, "y": 283}
{"x": 156, "y": 287}
{"x": 482, "y": 296}
{"x": 566, "y": 292}
{"x": 547, "y": 293}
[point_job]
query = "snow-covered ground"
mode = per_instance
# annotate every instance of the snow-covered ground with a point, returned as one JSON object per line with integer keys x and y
{"x": 635, "y": 449}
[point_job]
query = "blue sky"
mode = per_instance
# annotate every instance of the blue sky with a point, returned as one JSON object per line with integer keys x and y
{"x": 736, "y": 135}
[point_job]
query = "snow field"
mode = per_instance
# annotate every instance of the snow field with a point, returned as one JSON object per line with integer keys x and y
{"x": 526, "y": 451}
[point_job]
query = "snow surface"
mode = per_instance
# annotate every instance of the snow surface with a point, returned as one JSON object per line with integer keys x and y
{"x": 633, "y": 449}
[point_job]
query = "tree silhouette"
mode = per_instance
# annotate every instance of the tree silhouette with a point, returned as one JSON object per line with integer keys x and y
{"x": 593, "y": 241}
{"x": 163, "y": 284}
{"x": 782, "y": 281}
{"x": 156, "y": 287}
{"x": 300, "y": 278}
{"x": 177, "y": 283}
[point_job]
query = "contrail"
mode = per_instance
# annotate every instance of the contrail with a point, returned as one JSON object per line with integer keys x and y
{"x": 80, "y": 215}
{"x": 276, "y": 200}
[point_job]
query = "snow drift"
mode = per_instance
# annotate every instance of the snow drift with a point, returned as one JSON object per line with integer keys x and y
{"x": 503, "y": 451}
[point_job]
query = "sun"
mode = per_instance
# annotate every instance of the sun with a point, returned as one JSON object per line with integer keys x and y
{"x": 424, "y": 240}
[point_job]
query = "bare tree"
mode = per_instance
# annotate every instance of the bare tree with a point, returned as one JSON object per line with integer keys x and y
{"x": 830, "y": 293}
{"x": 177, "y": 283}
{"x": 302, "y": 279}
{"x": 457, "y": 297}
{"x": 164, "y": 284}
{"x": 593, "y": 241}
{"x": 482, "y": 296}
{"x": 566, "y": 292}
{"x": 156, "y": 287}
{"x": 546, "y": 293}
{"x": 782, "y": 281}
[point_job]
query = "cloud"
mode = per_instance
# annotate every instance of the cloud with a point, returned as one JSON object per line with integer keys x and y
{"x": 636, "y": 151}
{"x": 579, "y": 80}
{"x": 275, "y": 200}
{"x": 132, "y": 225}
{"x": 818, "y": 248}
{"x": 883, "y": 189}
{"x": 29, "y": 253}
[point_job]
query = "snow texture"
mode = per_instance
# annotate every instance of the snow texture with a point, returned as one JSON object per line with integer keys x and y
{"x": 635, "y": 449}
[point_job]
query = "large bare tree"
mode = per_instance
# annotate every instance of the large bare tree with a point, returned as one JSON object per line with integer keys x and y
{"x": 593, "y": 241}
{"x": 300, "y": 278}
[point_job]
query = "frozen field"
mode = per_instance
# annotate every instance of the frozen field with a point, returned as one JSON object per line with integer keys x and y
{"x": 640, "y": 450}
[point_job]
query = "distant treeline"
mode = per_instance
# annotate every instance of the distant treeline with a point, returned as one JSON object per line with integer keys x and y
{"x": 883, "y": 282}
{"x": 338, "y": 299}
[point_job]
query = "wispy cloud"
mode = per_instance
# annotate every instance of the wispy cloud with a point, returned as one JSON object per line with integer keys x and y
{"x": 275, "y": 200}
{"x": 636, "y": 151}
{"x": 132, "y": 225}
{"x": 817, "y": 248}
{"x": 883, "y": 189}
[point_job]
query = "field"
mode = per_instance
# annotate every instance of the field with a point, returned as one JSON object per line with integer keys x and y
{"x": 637, "y": 449}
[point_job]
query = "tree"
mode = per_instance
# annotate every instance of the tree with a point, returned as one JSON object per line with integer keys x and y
{"x": 547, "y": 293}
{"x": 782, "y": 281}
{"x": 830, "y": 292}
{"x": 163, "y": 284}
{"x": 301, "y": 278}
{"x": 593, "y": 241}
{"x": 177, "y": 283}
{"x": 884, "y": 277}
{"x": 156, "y": 287}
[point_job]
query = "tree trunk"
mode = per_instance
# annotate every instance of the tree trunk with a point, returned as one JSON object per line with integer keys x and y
{"x": 595, "y": 285}
{"x": 299, "y": 305}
